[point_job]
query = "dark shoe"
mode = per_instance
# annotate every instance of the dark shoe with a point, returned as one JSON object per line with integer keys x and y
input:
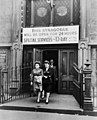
{"x": 46, "y": 102}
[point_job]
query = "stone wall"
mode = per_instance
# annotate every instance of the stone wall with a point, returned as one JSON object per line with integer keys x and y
{"x": 91, "y": 33}
{"x": 5, "y": 21}
{"x": 92, "y": 21}
{"x": 10, "y": 26}
{"x": 10, "y": 20}
{"x": 10, "y": 38}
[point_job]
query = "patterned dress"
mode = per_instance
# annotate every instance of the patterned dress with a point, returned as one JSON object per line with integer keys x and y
{"x": 37, "y": 75}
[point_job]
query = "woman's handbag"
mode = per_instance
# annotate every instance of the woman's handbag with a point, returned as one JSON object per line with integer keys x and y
{"x": 38, "y": 79}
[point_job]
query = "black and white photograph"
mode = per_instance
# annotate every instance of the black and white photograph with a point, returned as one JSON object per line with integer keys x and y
{"x": 48, "y": 59}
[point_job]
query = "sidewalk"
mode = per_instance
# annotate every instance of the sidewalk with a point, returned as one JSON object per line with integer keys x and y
{"x": 26, "y": 115}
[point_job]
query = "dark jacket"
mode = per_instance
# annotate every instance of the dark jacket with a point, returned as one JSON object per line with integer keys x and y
{"x": 47, "y": 76}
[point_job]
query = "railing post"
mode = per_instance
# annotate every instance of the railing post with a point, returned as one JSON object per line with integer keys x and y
{"x": 0, "y": 85}
{"x": 81, "y": 89}
{"x": 87, "y": 105}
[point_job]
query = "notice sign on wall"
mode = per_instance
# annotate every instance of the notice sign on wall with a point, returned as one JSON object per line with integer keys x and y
{"x": 51, "y": 35}
{"x": 3, "y": 58}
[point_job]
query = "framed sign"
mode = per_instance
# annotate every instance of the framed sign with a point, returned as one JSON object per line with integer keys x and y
{"x": 51, "y": 35}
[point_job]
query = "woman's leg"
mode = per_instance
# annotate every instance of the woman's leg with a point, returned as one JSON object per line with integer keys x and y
{"x": 43, "y": 94}
{"x": 39, "y": 94}
{"x": 47, "y": 97}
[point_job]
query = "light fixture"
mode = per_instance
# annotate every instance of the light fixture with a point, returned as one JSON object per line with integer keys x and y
{"x": 51, "y": 2}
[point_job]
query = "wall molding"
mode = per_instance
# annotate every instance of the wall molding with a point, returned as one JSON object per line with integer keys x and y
{"x": 5, "y": 44}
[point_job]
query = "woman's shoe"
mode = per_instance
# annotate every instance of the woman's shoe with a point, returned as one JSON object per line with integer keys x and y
{"x": 46, "y": 102}
{"x": 37, "y": 101}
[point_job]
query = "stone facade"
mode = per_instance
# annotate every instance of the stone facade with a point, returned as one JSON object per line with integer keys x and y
{"x": 12, "y": 19}
{"x": 10, "y": 38}
{"x": 10, "y": 25}
{"x": 91, "y": 33}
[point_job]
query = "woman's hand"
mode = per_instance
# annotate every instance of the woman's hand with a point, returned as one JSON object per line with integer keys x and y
{"x": 45, "y": 76}
{"x": 31, "y": 83}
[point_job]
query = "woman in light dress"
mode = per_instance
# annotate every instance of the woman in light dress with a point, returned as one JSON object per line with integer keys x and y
{"x": 36, "y": 79}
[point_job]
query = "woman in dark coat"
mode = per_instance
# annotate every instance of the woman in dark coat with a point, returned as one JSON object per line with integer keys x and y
{"x": 47, "y": 81}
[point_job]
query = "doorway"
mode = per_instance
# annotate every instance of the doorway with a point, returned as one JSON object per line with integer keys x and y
{"x": 63, "y": 56}
{"x": 51, "y": 54}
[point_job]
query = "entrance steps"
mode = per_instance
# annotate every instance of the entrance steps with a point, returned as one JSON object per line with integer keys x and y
{"x": 62, "y": 104}
{"x": 58, "y": 103}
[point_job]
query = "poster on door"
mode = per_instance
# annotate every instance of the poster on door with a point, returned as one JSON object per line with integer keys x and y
{"x": 51, "y": 35}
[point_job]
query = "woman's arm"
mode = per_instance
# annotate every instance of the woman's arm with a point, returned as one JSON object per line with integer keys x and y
{"x": 31, "y": 78}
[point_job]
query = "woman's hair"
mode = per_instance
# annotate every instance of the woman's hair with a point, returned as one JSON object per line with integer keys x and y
{"x": 46, "y": 61}
{"x": 37, "y": 62}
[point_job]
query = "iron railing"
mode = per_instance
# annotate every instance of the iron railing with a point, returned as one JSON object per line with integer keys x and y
{"x": 78, "y": 85}
{"x": 14, "y": 83}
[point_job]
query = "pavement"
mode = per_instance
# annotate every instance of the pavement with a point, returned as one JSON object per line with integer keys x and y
{"x": 26, "y": 115}
{"x": 56, "y": 101}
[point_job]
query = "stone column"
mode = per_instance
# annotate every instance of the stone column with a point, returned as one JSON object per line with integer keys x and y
{"x": 89, "y": 53}
{"x": 23, "y": 14}
{"x": 87, "y": 105}
{"x": 16, "y": 52}
{"x": 83, "y": 18}
{"x": 52, "y": 12}
{"x": 82, "y": 29}
{"x": 94, "y": 81}
{"x": 32, "y": 13}
{"x": 0, "y": 85}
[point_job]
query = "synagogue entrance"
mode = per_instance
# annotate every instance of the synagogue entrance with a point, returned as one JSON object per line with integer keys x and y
{"x": 63, "y": 57}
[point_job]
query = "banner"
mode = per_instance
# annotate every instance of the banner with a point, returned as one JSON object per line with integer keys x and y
{"x": 51, "y": 35}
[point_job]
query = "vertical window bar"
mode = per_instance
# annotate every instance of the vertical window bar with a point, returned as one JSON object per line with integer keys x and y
{"x": 71, "y": 15}
{"x": 32, "y": 13}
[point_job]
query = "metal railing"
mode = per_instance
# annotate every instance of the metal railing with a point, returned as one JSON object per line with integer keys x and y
{"x": 78, "y": 85}
{"x": 14, "y": 83}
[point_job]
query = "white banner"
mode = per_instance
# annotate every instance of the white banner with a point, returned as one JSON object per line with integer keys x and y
{"x": 51, "y": 35}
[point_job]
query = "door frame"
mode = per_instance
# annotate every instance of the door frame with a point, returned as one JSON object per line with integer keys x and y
{"x": 59, "y": 69}
{"x": 59, "y": 48}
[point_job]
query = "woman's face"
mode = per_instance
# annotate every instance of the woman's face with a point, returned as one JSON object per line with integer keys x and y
{"x": 37, "y": 66}
{"x": 46, "y": 65}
